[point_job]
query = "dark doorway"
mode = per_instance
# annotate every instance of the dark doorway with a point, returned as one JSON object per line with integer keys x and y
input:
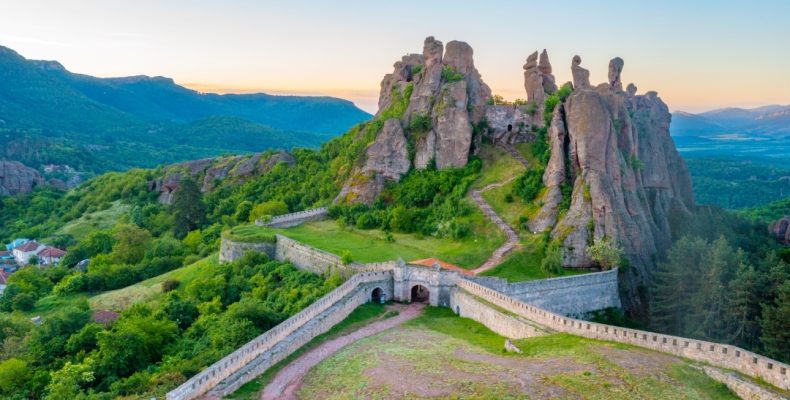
{"x": 377, "y": 296}
{"x": 509, "y": 127}
{"x": 420, "y": 294}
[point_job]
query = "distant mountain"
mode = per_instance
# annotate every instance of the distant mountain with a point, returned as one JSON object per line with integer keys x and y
{"x": 119, "y": 123}
{"x": 772, "y": 121}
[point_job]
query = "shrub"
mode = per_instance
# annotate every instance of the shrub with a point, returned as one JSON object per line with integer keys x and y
{"x": 420, "y": 123}
{"x": 552, "y": 262}
{"x": 606, "y": 253}
{"x": 416, "y": 69}
{"x": 346, "y": 257}
{"x": 528, "y": 185}
{"x": 449, "y": 74}
{"x": 170, "y": 285}
{"x": 272, "y": 208}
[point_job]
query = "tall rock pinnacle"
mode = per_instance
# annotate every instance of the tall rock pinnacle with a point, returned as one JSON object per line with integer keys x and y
{"x": 581, "y": 76}
{"x": 615, "y": 69}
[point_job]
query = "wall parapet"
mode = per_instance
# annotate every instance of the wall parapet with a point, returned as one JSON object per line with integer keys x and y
{"x": 208, "y": 378}
{"x": 295, "y": 218}
{"x": 721, "y": 355}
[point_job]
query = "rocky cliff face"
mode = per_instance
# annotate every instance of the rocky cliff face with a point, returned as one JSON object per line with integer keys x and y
{"x": 17, "y": 178}
{"x": 211, "y": 172}
{"x": 779, "y": 229}
{"x": 614, "y": 148}
{"x": 430, "y": 104}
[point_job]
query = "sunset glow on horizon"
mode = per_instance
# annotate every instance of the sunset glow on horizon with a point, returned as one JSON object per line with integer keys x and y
{"x": 697, "y": 56}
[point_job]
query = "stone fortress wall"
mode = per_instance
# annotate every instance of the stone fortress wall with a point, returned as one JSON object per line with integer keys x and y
{"x": 513, "y": 310}
{"x": 725, "y": 356}
{"x": 293, "y": 219}
{"x": 569, "y": 295}
{"x": 279, "y": 342}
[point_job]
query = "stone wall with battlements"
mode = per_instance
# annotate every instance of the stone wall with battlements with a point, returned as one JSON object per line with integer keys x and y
{"x": 230, "y": 250}
{"x": 306, "y": 257}
{"x": 495, "y": 318}
{"x": 724, "y": 356}
{"x": 570, "y": 295}
{"x": 293, "y": 219}
{"x": 252, "y": 359}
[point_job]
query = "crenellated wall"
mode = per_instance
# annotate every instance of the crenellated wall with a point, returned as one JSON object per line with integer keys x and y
{"x": 276, "y": 344}
{"x": 306, "y": 257}
{"x": 495, "y": 318}
{"x": 570, "y": 295}
{"x": 725, "y": 356}
{"x": 230, "y": 250}
{"x": 293, "y": 219}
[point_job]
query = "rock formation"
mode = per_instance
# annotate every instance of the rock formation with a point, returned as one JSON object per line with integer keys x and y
{"x": 626, "y": 174}
{"x": 538, "y": 82}
{"x": 16, "y": 178}
{"x": 432, "y": 101}
{"x": 779, "y": 230}
{"x": 210, "y": 172}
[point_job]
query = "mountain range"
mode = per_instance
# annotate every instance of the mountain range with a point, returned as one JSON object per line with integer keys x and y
{"x": 49, "y": 115}
{"x": 769, "y": 121}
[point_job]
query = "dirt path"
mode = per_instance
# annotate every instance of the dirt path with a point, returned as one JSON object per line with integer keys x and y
{"x": 286, "y": 382}
{"x": 512, "y": 237}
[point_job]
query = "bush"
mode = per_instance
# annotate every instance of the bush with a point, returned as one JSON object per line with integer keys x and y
{"x": 606, "y": 253}
{"x": 552, "y": 262}
{"x": 170, "y": 285}
{"x": 449, "y": 74}
{"x": 529, "y": 185}
{"x": 420, "y": 123}
{"x": 346, "y": 257}
{"x": 272, "y": 208}
{"x": 23, "y": 302}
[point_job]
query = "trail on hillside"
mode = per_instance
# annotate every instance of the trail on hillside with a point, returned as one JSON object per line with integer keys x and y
{"x": 287, "y": 381}
{"x": 512, "y": 237}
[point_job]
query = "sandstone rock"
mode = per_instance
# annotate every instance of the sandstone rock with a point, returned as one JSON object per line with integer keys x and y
{"x": 425, "y": 149}
{"x": 544, "y": 67}
{"x": 631, "y": 89}
{"x": 615, "y": 69}
{"x": 581, "y": 76}
{"x": 554, "y": 175}
{"x": 16, "y": 178}
{"x": 453, "y": 127}
{"x": 508, "y": 124}
{"x": 538, "y": 82}
{"x": 779, "y": 229}
{"x": 386, "y": 159}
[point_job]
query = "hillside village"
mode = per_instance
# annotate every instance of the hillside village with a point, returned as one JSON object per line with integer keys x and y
{"x": 26, "y": 252}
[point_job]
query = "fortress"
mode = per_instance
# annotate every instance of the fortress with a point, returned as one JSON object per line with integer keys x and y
{"x": 515, "y": 311}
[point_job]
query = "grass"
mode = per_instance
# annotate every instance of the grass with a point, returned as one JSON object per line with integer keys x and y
{"x": 440, "y": 355}
{"x": 99, "y": 220}
{"x": 371, "y": 245}
{"x": 498, "y": 166}
{"x": 524, "y": 264}
{"x": 151, "y": 289}
{"x": 362, "y": 315}
{"x": 52, "y": 304}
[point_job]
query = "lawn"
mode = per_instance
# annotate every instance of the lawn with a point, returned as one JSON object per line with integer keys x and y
{"x": 371, "y": 245}
{"x": 498, "y": 166}
{"x": 94, "y": 221}
{"x": 524, "y": 264}
{"x": 440, "y": 355}
{"x": 362, "y": 315}
{"x": 52, "y": 304}
{"x": 151, "y": 289}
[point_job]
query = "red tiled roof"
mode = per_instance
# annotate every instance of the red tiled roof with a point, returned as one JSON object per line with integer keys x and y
{"x": 48, "y": 252}
{"x": 4, "y": 277}
{"x": 105, "y": 317}
{"x": 430, "y": 262}
{"x": 5, "y": 253}
{"x": 29, "y": 246}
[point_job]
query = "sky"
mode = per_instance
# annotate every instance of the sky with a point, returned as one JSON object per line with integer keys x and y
{"x": 698, "y": 55}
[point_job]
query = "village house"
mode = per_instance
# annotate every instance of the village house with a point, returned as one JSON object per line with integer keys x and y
{"x": 50, "y": 256}
{"x": 3, "y": 280}
{"x": 23, "y": 253}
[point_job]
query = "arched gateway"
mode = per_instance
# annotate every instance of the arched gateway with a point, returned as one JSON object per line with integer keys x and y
{"x": 377, "y": 295}
{"x": 420, "y": 294}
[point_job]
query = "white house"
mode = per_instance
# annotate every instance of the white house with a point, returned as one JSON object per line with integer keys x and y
{"x": 23, "y": 253}
{"x": 50, "y": 255}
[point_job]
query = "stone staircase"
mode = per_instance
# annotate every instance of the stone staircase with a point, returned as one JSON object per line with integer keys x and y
{"x": 512, "y": 237}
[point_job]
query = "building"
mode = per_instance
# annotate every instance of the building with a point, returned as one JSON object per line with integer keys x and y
{"x": 50, "y": 255}
{"x": 16, "y": 243}
{"x": 23, "y": 253}
{"x": 6, "y": 256}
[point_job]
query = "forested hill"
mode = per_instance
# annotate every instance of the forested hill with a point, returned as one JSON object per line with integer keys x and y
{"x": 49, "y": 115}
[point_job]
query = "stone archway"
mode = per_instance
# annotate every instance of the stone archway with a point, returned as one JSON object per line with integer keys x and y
{"x": 377, "y": 295}
{"x": 420, "y": 294}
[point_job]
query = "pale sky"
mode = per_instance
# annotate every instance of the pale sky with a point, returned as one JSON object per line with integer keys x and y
{"x": 697, "y": 55}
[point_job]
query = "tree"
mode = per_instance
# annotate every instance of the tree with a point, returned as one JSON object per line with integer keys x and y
{"x": 552, "y": 262}
{"x": 134, "y": 342}
{"x": 606, "y": 253}
{"x": 270, "y": 208}
{"x": 14, "y": 374}
{"x": 776, "y": 325}
{"x": 131, "y": 244}
{"x": 188, "y": 208}
{"x": 68, "y": 382}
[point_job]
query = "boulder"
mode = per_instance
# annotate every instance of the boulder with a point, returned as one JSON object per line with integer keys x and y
{"x": 16, "y": 178}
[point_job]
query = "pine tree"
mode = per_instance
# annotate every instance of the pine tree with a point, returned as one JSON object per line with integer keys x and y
{"x": 188, "y": 208}
{"x": 776, "y": 325}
